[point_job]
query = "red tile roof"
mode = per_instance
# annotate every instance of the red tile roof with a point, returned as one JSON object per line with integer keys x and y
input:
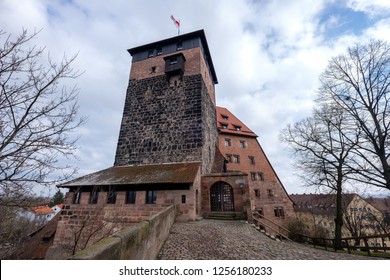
{"x": 380, "y": 203}
{"x": 172, "y": 173}
{"x": 41, "y": 210}
{"x": 232, "y": 123}
{"x": 319, "y": 203}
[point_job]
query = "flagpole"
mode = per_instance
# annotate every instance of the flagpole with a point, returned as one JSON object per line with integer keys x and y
{"x": 178, "y": 30}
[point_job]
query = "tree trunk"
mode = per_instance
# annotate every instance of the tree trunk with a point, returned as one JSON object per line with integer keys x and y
{"x": 339, "y": 215}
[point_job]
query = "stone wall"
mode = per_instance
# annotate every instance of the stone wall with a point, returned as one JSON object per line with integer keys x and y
{"x": 163, "y": 122}
{"x": 140, "y": 242}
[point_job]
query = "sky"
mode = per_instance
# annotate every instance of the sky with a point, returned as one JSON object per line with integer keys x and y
{"x": 268, "y": 56}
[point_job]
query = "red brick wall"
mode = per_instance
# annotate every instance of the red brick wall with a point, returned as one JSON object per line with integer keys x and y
{"x": 194, "y": 64}
{"x": 237, "y": 180}
{"x": 261, "y": 165}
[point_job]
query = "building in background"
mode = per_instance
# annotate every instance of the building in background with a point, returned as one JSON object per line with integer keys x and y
{"x": 360, "y": 216}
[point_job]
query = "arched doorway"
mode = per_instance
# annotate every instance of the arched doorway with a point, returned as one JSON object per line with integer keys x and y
{"x": 221, "y": 197}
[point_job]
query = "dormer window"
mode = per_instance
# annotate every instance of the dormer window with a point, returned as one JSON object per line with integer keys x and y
{"x": 174, "y": 64}
{"x": 224, "y": 125}
{"x": 225, "y": 117}
{"x": 172, "y": 60}
{"x": 237, "y": 127}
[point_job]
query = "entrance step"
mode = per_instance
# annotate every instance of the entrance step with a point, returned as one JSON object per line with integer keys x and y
{"x": 226, "y": 216}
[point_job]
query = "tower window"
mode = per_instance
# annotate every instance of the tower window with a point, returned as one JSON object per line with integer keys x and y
{"x": 174, "y": 65}
{"x": 183, "y": 199}
{"x": 152, "y": 70}
{"x": 173, "y": 60}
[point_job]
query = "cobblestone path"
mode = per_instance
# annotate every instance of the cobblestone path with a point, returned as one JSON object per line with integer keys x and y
{"x": 236, "y": 240}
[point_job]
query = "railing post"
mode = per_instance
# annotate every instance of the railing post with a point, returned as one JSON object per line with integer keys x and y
{"x": 326, "y": 245}
{"x": 367, "y": 247}
{"x": 349, "y": 250}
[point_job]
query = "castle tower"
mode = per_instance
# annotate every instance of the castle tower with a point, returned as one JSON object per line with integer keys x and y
{"x": 169, "y": 113}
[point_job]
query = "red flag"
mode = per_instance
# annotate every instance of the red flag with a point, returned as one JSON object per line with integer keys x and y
{"x": 176, "y": 22}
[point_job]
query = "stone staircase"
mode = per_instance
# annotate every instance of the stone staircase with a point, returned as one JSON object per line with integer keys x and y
{"x": 226, "y": 216}
{"x": 273, "y": 237}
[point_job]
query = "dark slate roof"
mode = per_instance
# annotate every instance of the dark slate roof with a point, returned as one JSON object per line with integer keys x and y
{"x": 172, "y": 173}
{"x": 196, "y": 34}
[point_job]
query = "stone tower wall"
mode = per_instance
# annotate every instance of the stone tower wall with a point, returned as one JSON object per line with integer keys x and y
{"x": 165, "y": 122}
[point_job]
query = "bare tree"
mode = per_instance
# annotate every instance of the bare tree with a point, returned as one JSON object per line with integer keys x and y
{"x": 322, "y": 150}
{"x": 38, "y": 113}
{"x": 359, "y": 83}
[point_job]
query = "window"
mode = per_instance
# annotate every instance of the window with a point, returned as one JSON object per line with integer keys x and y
{"x": 130, "y": 197}
{"x": 279, "y": 212}
{"x": 270, "y": 192}
{"x": 260, "y": 175}
{"x": 260, "y": 211}
{"x": 150, "y": 197}
{"x": 224, "y": 125}
{"x": 150, "y": 53}
{"x": 93, "y": 198}
{"x": 228, "y": 143}
{"x": 76, "y": 197}
{"x": 251, "y": 160}
{"x": 237, "y": 127}
{"x": 173, "y": 60}
{"x": 179, "y": 46}
{"x": 242, "y": 144}
{"x": 236, "y": 159}
{"x": 183, "y": 199}
{"x": 253, "y": 176}
{"x": 159, "y": 51}
{"x": 257, "y": 192}
{"x": 152, "y": 70}
{"x": 111, "y": 196}
{"x": 229, "y": 158}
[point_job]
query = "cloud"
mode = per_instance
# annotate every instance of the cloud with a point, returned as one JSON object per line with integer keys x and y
{"x": 373, "y": 8}
{"x": 267, "y": 54}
